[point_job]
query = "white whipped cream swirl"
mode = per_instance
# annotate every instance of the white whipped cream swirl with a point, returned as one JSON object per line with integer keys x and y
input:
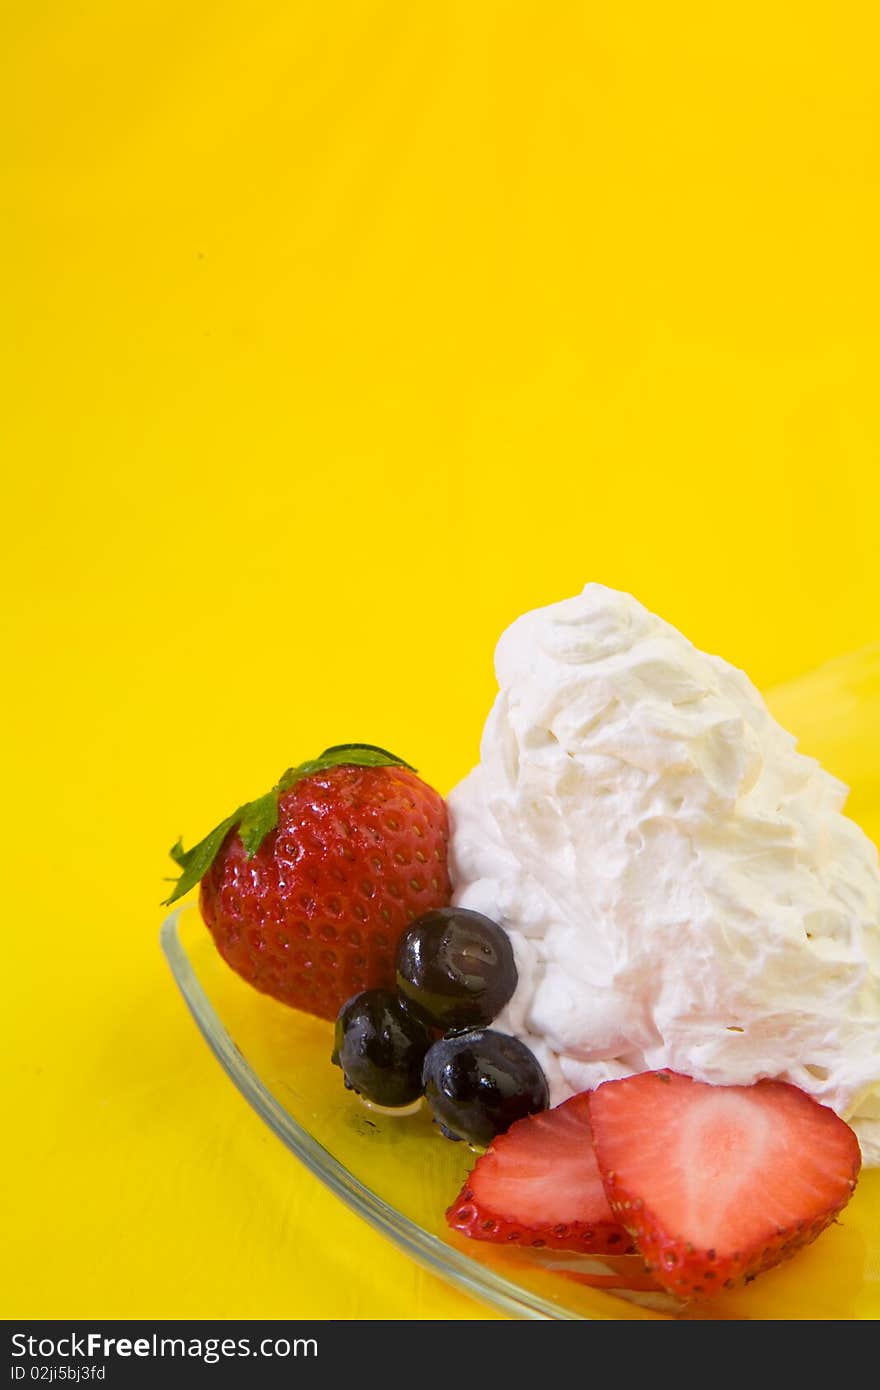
{"x": 679, "y": 884}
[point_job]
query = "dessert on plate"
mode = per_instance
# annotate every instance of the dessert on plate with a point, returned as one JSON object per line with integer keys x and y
{"x": 633, "y": 961}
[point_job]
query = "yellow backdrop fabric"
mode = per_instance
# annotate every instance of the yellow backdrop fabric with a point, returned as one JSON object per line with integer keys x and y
{"x": 336, "y": 336}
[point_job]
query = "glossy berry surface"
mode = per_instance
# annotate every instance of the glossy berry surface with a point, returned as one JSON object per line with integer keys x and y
{"x": 315, "y": 916}
{"x": 478, "y": 1084}
{"x": 455, "y": 968}
{"x": 381, "y": 1048}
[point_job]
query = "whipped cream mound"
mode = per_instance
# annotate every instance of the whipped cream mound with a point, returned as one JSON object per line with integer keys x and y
{"x": 678, "y": 882}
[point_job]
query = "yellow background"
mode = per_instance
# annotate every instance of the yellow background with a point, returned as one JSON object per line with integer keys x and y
{"x": 335, "y": 336}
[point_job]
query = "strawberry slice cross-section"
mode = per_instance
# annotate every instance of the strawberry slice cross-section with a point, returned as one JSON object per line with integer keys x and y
{"x": 539, "y": 1186}
{"x": 719, "y": 1183}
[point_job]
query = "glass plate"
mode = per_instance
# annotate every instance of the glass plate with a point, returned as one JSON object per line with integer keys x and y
{"x": 400, "y": 1176}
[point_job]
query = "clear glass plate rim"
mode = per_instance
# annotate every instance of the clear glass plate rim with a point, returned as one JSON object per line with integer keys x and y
{"x": 440, "y": 1259}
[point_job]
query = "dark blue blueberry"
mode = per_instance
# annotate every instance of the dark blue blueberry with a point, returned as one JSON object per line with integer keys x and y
{"x": 381, "y": 1047}
{"x": 455, "y": 969}
{"x": 477, "y": 1084}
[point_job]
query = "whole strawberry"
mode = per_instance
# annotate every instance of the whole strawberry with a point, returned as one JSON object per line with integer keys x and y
{"x": 307, "y": 890}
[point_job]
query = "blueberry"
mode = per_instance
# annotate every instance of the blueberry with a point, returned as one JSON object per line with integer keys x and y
{"x": 380, "y": 1048}
{"x": 478, "y": 1083}
{"x": 455, "y": 968}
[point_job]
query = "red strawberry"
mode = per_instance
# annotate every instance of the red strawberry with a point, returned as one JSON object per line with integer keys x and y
{"x": 718, "y": 1183}
{"x": 307, "y": 890}
{"x": 539, "y": 1185}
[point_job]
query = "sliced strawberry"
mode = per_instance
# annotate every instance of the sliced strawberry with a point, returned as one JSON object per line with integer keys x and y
{"x": 718, "y": 1183}
{"x": 539, "y": 1185}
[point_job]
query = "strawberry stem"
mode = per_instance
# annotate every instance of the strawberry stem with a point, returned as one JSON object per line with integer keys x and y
{"x": 255, "y": 819}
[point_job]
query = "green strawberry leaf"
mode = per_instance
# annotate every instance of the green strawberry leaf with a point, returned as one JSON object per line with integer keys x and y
{"x": 259, "y": 818}
{"x": 342, "y": 755}
{"x": 196, "y": 862}
{"x": 364, "y": 755}
{"x": 256, "y": 819}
